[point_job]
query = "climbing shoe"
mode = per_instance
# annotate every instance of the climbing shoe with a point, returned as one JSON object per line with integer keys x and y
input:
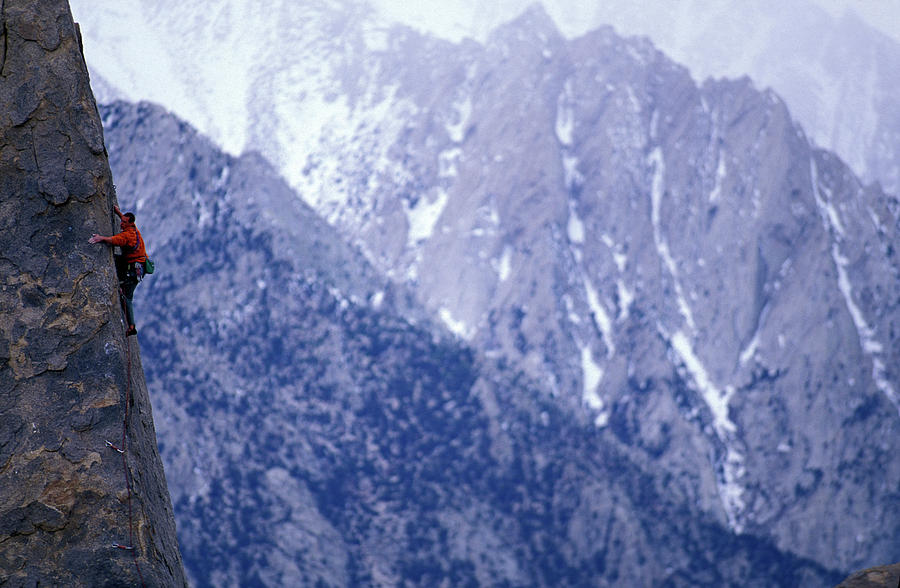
{"x": 132, "y": 330}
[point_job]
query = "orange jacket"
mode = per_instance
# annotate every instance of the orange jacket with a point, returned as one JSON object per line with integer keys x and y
{"x": 131, "y": 242}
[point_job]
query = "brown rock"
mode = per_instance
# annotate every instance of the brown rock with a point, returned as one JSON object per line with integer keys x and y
{"x": 69, "y": 379}
{"x": 880, "y": 577}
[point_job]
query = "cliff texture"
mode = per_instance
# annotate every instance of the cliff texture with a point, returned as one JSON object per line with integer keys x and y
{"x": 880, "y": 577}
{"x": 74, "y": 509}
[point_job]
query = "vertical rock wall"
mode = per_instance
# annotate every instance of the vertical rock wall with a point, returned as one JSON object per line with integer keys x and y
{"x": 69, "y": 379}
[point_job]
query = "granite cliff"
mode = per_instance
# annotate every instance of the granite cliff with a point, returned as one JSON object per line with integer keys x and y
{"x": 676, "y": 262}
{"x": 83, "y": 497}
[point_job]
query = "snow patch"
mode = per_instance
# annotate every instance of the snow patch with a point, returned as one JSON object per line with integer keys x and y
{"x": 448, "y": 162}
{"x": 621, "y": 260}
{"x": 601, "y": 317}
{"x": 656, "y": 194}
{"x": 412, "y": 272}
{"x": 222, "y": 180}
{"x": 730, "y": 489}
{"x": 716, "y": 400}
{"x": 750, "y": 351}
{"x": 571, "y": 176}
{"x": 570, "y": 310}
{"x": 457, "y": 327}
{"x": 592, "y": 375}
{"x": 626, "y": 298}
{"x": 876, "y": 221}
{"x": 503, "y": 266}
{"x": 462, "y": 111}
{"x": 423, "y": 216}
{"x": 565, "y": 129}
{"x": 204, "y": 215}
{"x": 829, "y": 214}
{"x": 867, "y": 340}
{"x": 870, "y": 345}
{"x": 575, "y": 226}
{"x": 633, "y": 100}
{"x": 565, "y": 115}
{"x": 721, "y": 172}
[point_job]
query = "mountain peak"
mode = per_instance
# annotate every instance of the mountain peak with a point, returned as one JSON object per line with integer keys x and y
{"x": 534, "y": 20}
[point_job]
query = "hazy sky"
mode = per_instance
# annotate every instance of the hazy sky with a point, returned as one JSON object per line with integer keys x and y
{"x": 881, "y": 14}
{"x": 457, "y": 18}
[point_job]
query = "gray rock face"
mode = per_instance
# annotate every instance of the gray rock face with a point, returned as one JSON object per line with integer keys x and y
{"x": 676, "y": 263}
{"x": 679, "y": 313}
{"x": 66, "y": 369}
{"x": 313, "y": 434}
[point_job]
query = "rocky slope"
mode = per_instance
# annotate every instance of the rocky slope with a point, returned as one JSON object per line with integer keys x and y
{"x": 677, "y": 262}
{"x": 69, "y": 379}
{"x": 314, "y": 434}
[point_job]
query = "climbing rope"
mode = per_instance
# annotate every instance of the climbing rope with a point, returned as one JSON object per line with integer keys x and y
{"x": 123, "y": 451}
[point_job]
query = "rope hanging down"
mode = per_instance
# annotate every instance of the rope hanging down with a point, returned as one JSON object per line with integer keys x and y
{"x": 122, "y": 449}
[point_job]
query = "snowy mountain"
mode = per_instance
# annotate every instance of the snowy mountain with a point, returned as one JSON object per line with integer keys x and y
{"x": 311, "y": 438}
{"x": 646, "y": 249}
{"x": 837, "y": 75}
{"x": 667, "y": 275}
{"x": 835, "y": 70}
{"x": 231, "y": 68}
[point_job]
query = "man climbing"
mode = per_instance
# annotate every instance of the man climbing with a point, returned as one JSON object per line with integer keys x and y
{"x": 130, "y": 264}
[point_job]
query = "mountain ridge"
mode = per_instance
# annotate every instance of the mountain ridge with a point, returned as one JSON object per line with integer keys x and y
{"x": 334, "y": 440}
{"x": 675, "y": 263}
{"x": 794, "y": 51}
{"x": 599, "y": 228}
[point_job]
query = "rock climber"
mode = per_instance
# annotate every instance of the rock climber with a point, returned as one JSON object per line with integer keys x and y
{"x": 129, "y": 264}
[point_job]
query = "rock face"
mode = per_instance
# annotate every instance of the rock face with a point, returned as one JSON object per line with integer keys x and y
{"x": 69, "y": 379}
{"x": 677, "y": 262}
{"x": 880, "y": 577}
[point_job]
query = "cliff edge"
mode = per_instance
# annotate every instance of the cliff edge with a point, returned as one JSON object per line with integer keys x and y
{"x": 878, "y": 577}
{"x": 83, "y": 497}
